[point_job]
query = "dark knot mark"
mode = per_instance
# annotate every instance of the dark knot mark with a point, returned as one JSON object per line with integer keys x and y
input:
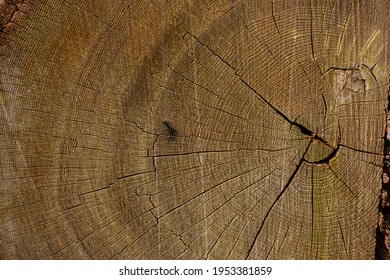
{"x": 171, "y": 131}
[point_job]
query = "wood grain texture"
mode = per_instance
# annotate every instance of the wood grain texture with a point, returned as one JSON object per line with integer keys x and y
{"x": 168, "y": 129}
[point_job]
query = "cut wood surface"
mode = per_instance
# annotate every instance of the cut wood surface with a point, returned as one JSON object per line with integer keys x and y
{"x": 168, "y": 129}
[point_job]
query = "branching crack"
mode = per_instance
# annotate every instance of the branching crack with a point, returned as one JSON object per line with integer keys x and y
{"x": 278, "y": 198}
{"x": 140, "y": 128}
{"x": 180, "y": 238}
{"x": 8, "y": 18}
{"x": 302, "y": 128}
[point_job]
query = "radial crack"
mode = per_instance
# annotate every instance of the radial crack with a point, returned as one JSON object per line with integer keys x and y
{"x": 278, "y": 198}
{"x": 303, "y": 129}
{"x": 273, "y": 17}
{"x": 311, "y": 32}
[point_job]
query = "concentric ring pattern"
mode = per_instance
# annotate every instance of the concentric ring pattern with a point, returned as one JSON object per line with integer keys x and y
{"x": 192, "y": 129}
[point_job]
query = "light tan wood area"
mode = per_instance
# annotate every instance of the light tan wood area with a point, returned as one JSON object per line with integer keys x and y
{"x": 168, "y": 129}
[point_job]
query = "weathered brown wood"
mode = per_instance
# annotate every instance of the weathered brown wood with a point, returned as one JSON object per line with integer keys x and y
{"x": 192, "y": 129}
{"x": 383, "y": 231}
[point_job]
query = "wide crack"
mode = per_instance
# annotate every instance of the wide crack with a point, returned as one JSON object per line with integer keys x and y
{"x": 382, "y": 249}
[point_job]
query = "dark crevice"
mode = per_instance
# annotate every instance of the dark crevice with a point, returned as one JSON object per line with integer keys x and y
{"x": 303, "y": 129}
{"x": 382, "y": 251}
{"x": 8, "y": 9}
{"x": 386, "y": 211}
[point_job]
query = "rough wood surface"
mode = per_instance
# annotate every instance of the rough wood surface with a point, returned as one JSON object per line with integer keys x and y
{"x": 168, "y": 129}
{"x": 383, "y": 231}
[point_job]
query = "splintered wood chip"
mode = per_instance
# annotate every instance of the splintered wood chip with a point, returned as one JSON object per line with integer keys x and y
{"x": 192, "y": 129}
